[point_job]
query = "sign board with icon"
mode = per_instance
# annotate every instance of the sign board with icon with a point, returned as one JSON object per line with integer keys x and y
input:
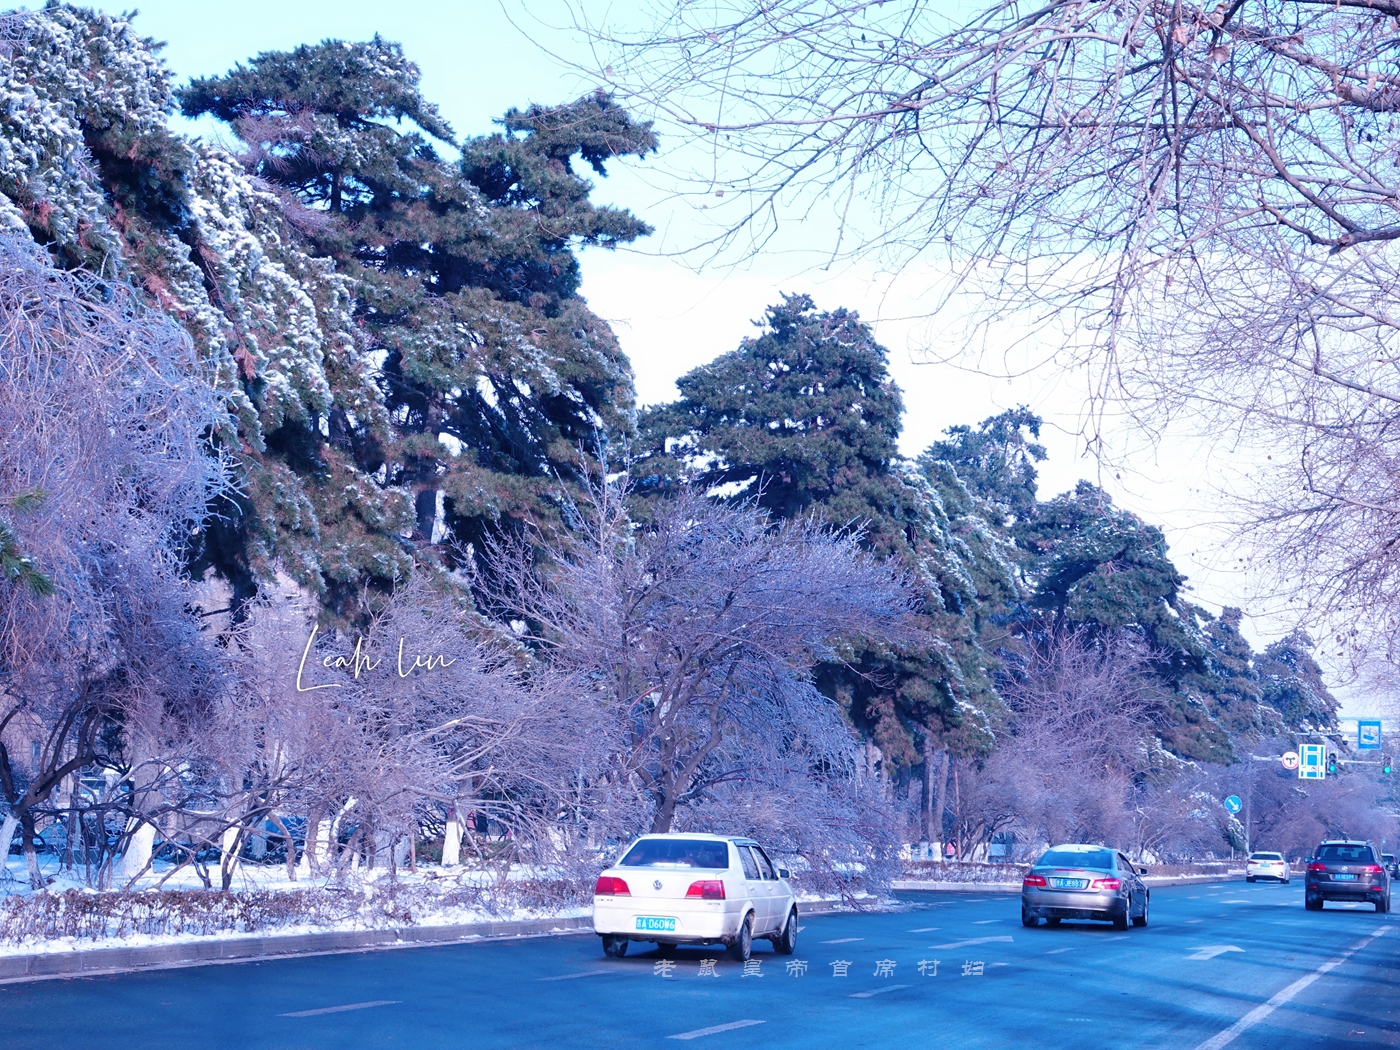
{"x": 1312, "y": 761}
{"x": 1368, "y": 735}
{"x": 1233, "y": 804}
{"x": 1289, "y": 759}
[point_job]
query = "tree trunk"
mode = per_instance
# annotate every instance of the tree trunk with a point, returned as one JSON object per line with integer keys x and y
{"x": 229, "y": 849}
{"x": 137, "y": 857}
{"x": 31, "y": 855}
{"x": 452, "y": 841}
{"x": 940, "y": 797}
{"x": 7, "y": 834}
{"x": 665, "y": 814}
{"x": 931, "y": 832}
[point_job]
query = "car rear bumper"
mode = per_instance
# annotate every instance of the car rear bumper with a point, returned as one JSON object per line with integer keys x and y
{"x": 697, "y": 922}
{"x": 1340, "y": 891}
{"x": 1073, "y": 904}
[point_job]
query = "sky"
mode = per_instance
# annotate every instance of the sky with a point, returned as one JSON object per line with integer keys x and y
{"x": 671, "y": 315}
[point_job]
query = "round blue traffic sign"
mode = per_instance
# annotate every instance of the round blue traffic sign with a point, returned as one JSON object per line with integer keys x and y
{"x": 1233, "y": 804}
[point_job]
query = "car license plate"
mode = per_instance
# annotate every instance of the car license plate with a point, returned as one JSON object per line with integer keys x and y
{"x": 1343, "y": 878}
{"x": 647, "y": 922}
{"x": 1068, "y": 884}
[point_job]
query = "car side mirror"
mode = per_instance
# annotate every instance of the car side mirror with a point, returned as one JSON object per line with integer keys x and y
{"x": 783, "y": 873}
{"x": 1142, "y": 871}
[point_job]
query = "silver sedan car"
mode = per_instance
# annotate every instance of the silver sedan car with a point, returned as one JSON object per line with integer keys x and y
{"x": 1077, "y": 881}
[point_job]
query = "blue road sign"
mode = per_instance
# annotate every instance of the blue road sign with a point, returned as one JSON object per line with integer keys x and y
{"x": 1312, "y": 761}
{"x": 1233, "y": 804}
{"x": 1368, "y": 735}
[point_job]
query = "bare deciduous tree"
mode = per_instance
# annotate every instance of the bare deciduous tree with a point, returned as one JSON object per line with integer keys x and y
{"x": 698, "y": 631}
{"x": 105, "y": 418}
{"x": 1197, "y": 201}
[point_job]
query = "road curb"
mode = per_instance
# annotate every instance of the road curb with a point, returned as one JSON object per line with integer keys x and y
{"x": 95, "y": 962}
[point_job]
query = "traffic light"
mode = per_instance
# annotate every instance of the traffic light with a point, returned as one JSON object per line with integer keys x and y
{"x": 1331, "y": 761}
{"x": 1385, "y": 765}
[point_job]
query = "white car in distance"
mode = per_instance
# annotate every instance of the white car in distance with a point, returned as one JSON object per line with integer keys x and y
{"x": 1266, "y": 866}
{"x": 695, "y": 889}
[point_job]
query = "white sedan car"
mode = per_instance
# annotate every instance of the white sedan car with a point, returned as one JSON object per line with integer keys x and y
{"x": 1266, "y": 866}
{"x": 695, "y": 889}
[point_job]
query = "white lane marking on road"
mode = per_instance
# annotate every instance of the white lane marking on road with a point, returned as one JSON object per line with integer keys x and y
{"x": 586, "y": 973}
{"x": 1249, "y": 1020}
{"x": 1210, "y": 951}
{"x": 715, "y": 1029}
{"x": 927, "y": 929}
{"x": 965, "y": 944}
{"x": 1190, "y": 921}
{"x": 1234, "y": 902}
{"x": 984, "y": 922}
{"x": 878, "y": 991}
{"x": 1058, "y": 951}
{"x": 844, "y": 940}
{"x": 341, "y": 1009}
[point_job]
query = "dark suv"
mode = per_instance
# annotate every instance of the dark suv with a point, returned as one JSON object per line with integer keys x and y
{"x": 1347, "y": 871}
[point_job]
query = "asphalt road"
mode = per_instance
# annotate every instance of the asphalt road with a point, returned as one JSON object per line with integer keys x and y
{"x": 1221, "y": 965}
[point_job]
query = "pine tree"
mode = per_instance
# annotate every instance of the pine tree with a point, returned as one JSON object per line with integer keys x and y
{"x": 398, "y": 336}
{"x": 499, "y": 382}
{"x": 805, "y": 419}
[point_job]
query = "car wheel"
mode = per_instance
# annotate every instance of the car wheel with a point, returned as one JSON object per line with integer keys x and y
{"x": 1141, "y": 920}
{"x": 1312, "y": 903}
{"x": 665, "y": 950}
{"x": 1249, "y": 878}
{"x": 1382, "y": 905}
{"x": 614, "y": 947}
{"x": 1027, "y": 919}
{"x": 786, "y": 942}
{"x": 1120, "y": 922}
{"x": 742, "y": 945}
{"x": 1052, "y": 922}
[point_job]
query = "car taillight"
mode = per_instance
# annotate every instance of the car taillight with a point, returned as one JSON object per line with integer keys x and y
{"x": 1033, "y": 880}
{"x": 1371, "y": 869}
{"x": 707, "y": 890}
{"x": 1106, "y": 884}
{"x": 1317, "y": 866}
{"x": 610, "y": 886}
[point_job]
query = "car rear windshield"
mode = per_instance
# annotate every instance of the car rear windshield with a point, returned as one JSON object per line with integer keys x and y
{"x": 1098, "y": 859}
{"x": 1346, "y": 854}
{"x": 1267, "y": 856}
{"x": 677, "y": 853}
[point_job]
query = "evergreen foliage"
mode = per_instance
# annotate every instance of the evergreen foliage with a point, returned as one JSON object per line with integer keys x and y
{"x": 496, "y": 376}
{"x": 1095, "y": 571}
{"x": 398, "y": 336}
{"x": 805, "y": 419}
